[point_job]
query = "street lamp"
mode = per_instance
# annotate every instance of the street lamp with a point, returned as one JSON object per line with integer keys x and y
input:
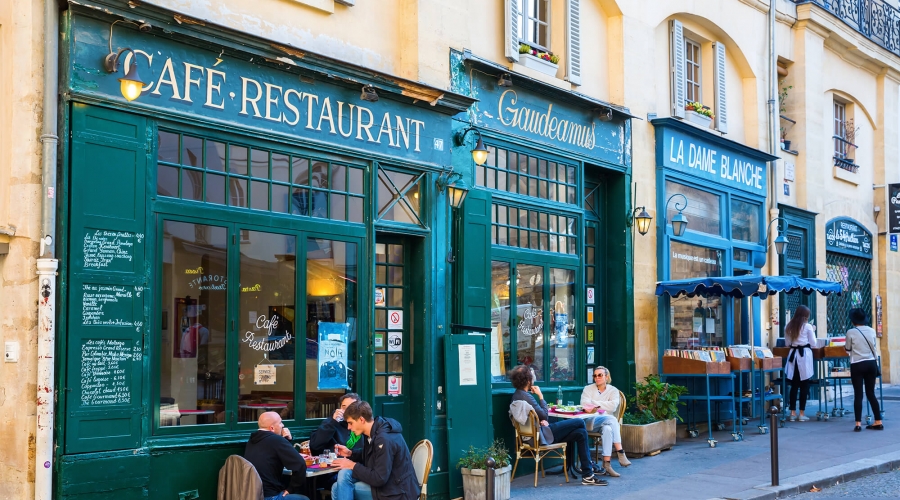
{"x": 781, "y": 240}
{"x": 456, "y": 187}
{"x": 679, "y": 222}
{"x": 130, "y": 84}
{"x": 642, "y": 219}
{"x": 480, "y": 152}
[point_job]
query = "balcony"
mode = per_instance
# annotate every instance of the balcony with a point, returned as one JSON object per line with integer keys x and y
{"x": 874, "y": 19}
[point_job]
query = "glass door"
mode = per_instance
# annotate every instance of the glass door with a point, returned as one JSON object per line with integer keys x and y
{"x": 393, "y": 329}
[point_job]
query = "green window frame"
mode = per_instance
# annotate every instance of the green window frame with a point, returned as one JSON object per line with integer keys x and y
{"x": 216, "y": 171}
{"x": 540, "y": 230}
{"x": 519, "y": 172}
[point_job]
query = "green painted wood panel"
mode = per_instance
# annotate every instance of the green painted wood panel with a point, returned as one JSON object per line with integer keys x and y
{"x": 107, "y": 277}
{"x": 473, "y": 266}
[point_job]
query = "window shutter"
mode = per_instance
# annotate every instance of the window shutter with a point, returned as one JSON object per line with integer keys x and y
{"x": 677, "y": 61}
{"x": 473, "y": 265}
{"x": 573, "y": 38}
{"x": 721, "y": 106}
{"x": 513, "y": 18}
{"x": 107, "y": 280}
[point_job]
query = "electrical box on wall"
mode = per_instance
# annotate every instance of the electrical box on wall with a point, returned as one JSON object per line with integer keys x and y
{"x": 11, "y": 352}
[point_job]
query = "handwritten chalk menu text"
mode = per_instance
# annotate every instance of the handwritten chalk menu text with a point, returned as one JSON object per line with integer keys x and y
{"x": 105, "y": 371}
{"x": 107, "y": 305}
{"x": 110, "y": 250}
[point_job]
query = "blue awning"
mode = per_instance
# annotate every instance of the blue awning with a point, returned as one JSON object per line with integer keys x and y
{"x": 746, "y": 286}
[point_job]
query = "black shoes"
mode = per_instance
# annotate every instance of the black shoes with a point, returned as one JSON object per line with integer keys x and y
{"x": 593, "y": 480}
{"x": 879, "y": 427}
{"x": 857, "y": 429}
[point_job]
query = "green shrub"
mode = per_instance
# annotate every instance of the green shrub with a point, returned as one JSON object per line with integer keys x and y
{"x": 655, "y": 401}
{"x": 476, "y": 458}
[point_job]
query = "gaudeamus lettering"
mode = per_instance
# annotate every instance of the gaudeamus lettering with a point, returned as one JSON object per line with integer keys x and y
{"x": 543, "y": 123}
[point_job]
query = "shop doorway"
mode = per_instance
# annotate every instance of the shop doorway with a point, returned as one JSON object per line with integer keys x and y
{"x": 394, "y": 330}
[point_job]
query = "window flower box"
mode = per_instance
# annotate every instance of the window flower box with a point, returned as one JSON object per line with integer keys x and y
{"x": 698, "y": 114}
{"x": 538, "y": 60}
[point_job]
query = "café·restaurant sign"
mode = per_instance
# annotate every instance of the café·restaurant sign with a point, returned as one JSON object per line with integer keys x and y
{"x": 894, "y": 208}
{"x": 709, "y": 161}
{"x": 219, "y": 87}
{"x": 848, "y": 236}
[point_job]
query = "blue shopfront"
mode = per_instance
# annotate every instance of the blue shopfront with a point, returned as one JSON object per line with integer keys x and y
{"x": 720, "y": 187}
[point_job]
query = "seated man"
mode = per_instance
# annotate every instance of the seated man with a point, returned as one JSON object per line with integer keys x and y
{"x": 602, "y": 395}
{"x": 333, "y": 430}
{"x": 269, "y": 450}
{"x": 384, "y": 462}
{"x": 571, "y": 431}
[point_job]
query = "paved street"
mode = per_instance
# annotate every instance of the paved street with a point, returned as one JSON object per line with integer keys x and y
{"x": 692, "y": 470}
{"x": 885, "y": 485}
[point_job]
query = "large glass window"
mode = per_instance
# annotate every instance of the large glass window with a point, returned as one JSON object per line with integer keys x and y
{"x": 530, "y": 318}
{"x": 237, "y": 175}
{"x": 744, "y": 221}
{"x": 533, "y": 229}
{"x": 692, "y": 67}
{"x": 703, "y": 208}
{"x": 192, "y": 332}
{"x": 331, "y": 280}
{"x": 266, "y": 332}
{"x": 399, "y": 197}
{"x": 518, "y": 172}
{"x": 501, "y": 320}
{"x": 697, "y": 321}
{"x": 562, "y": 335}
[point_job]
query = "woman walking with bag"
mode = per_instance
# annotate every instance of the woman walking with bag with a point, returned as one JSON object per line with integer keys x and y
{"x": 799, "y": 336}
{"x": 863, "y": 367}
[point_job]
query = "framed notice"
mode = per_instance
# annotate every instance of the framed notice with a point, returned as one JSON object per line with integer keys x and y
{"x": 264, "y": 375}
{"x": 468, "y": 368}
{"x": 395, "y": 385}
{"x": 332, "y": 355}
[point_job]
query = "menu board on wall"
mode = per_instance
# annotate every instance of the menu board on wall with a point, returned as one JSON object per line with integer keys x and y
{"x": 105, "y": 371}
{"x": 107, "y": 305}
{"x": 109, "y": 250}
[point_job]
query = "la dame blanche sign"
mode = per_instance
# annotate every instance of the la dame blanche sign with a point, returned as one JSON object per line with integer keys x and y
{"x": 186, "y": 79}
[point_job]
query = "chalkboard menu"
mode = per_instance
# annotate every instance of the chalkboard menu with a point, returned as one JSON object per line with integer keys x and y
{"x": 109, "y": 250}
{"x": 105, "y": 371}
{"x": 848, "y": 236}
{"x": 107, "y": 305}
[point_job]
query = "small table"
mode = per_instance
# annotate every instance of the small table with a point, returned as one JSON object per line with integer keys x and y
{"x": 582, "y": 414}
{"x": 314, "y": 474}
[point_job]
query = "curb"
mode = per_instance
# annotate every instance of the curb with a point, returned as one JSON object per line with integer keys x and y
{"x": 822, "y": 478}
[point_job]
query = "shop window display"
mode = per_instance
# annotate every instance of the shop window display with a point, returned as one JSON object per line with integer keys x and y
{"x": 703, "y": 208}
{"x": 697, "y": 321}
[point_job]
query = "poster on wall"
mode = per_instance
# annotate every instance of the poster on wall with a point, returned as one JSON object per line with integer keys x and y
{"x": 394, "y": 386}
{"x": 560, "y": 324}
{"x": 893, "y": 208}
{"x": 332, "y": 360}
{"x": 498, "y": 363}
{"x": 878, "y": 325}
{"x": 468, "y": 370}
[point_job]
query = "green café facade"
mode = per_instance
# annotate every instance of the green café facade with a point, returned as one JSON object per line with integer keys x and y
{"x": 254, "y": 207}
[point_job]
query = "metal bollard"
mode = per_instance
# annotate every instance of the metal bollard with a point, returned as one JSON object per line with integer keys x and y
{"x": 489, "y": 479}
{"x": 773, "y": 440}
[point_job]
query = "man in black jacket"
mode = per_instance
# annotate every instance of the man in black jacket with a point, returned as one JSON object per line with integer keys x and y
{"x": 384, "y": 462}
{"x": 334, "y": 429}
{"x": 269, "y": 450}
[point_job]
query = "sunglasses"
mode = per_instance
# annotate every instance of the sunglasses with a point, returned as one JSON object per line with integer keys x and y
{"x": 598, "y": 375}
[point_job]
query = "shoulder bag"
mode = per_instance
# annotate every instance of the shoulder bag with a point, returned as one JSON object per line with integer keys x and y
{"x": 872, "y": 350}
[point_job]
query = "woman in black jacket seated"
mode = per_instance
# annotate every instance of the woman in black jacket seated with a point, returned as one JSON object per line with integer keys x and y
{"x": 571, "y": 431}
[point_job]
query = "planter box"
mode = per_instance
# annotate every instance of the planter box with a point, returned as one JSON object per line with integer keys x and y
{"x": 697, "y": 119}
{"x": 538, "y": 64}
{"x": 474, "y": 483}
{"x": 644, "y": 439}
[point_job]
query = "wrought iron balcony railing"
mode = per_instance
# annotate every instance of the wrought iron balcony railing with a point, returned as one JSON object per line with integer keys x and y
{"x": 874, "y": 19}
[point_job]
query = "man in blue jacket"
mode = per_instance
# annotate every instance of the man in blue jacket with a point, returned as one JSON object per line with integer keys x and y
{"x": 384, "y": 462}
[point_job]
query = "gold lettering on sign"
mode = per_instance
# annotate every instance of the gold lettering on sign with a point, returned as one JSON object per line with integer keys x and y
{"x": 544, "y": 124}
{"x": 254, "y": 288}
{"x": 199, "y": 270}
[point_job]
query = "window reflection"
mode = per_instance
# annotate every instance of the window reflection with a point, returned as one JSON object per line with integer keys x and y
{"x": 703, "y": 211}
{"x": 500, "y": 320}
{"x": 697, "y": 321}
{"x": 530, "y": 318}
{"x": 331, "y": 278}
{"x": 562, "y": 333}
{"x": 266, "y": 326}
{"x": 192, "y": 330}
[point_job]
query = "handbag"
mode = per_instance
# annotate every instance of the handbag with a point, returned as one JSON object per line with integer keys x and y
{"x": 872, "y": 350}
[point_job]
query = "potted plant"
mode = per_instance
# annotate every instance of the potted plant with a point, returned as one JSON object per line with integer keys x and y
{"x": 650, "y": 425}
{"x": 473, "y": 465}
{"x": 537, "y": 59}
{"x": 782, "y": 96}
{"x": 698, "y": 114}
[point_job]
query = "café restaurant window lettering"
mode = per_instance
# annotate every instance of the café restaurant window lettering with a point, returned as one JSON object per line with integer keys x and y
{"x": 533, "y": 229}
{"x": 223, "y": 173}
{"x": 517, "y": 172}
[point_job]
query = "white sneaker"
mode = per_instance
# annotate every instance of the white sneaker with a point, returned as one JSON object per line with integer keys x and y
{"x": 803, "y": 418}
{"x": 792, "y": 418}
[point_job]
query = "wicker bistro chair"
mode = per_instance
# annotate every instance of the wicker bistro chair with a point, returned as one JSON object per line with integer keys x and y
{"x": 528, "y": 445}
{"x": 596, "y": 434}
{"x": 422, "y": 454}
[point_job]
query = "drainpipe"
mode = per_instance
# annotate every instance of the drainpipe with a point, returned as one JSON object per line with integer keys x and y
{"x": 46, "y": 263}
{"x": 773, "y": 148}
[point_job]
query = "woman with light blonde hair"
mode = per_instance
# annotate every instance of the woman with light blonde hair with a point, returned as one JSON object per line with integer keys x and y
{"x": 602, "y": 395}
